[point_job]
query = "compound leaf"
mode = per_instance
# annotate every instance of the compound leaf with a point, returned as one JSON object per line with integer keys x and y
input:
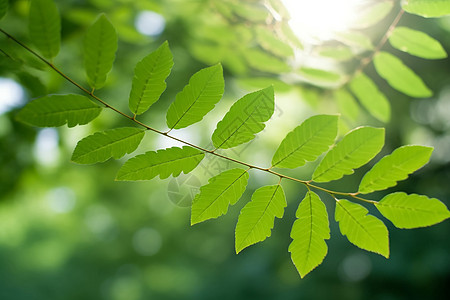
{"x": 412, "y": 211}
{"x": 416, "y": 43}
{"x": 363, "y": 230}
{"x": 309, "y": 232}
{"x": 215, "y": 197}
{"x": 57, "y": 110}
{"x": 394, "y": 167}
{"x": 45, "y": 27}
{"x": 3, "y": 8}
{"x": 149, "y": 79}
{"x": 164, "y": 162}
{"x": 306, "y": 142}
{"x": 258, "y": 216}
{"x": 370, "y": 97}
{"x": 204, "y": 90}
{"x": 427, "y": 8}
{"x": 100, "y": 45}
{"x": 101, "y": 146}
{"x": 399, "y": 76}
{"x": 244, "y": 119}
{"x": 354, "y": 150}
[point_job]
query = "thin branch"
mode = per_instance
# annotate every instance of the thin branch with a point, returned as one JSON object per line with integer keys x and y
{"x": 212, "y": 152}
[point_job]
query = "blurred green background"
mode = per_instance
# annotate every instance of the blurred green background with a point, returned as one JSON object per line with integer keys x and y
{"x": 71, "y": 232}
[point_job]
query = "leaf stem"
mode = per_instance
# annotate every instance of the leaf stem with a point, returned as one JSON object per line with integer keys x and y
{"x": 308, "y": 184}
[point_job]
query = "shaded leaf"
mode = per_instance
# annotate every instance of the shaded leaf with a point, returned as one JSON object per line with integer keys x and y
{"x": 164, "y": 162}
{"x": 416, "y": 43}
{"x": 244, "y": 119}
{"x": 100, "y": 45}
{"x": 363, "y": 230}
{"x": 357, "y": 148}
{"x": 215, "y": 197}
{"x": 309, "y": 232}
{"x": 371, "y": 97}
{"x": 347, "y": 104}
{"x": 149, "y": 79}
{"x": 3, "y": 8}
{"x": 257, "y": 218}
{"x": 412, "y": 211}
{"x": 204, "y": 90}
{"x": 45, "y": 27}
{"x": 103, "y": 145}
{"x": 399, "y": 76}
{"x": 306, "y": 142}
{"x": 57, "y": 110}
{"x": 427, "y": 8}
{"x": 394, "y": 167}
{"x": 372, "y": 14}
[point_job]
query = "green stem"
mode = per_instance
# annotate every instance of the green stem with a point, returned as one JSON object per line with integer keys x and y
{"x": 212, "y": 152}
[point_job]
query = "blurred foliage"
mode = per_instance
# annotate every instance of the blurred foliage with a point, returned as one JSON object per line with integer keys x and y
{"x": 71, "y": 232}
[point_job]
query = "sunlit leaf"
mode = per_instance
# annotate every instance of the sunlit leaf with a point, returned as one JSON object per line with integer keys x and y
{"x": 164, "y": 162}
{"x": 249, "y": 11}
{"x": 306, "y": 142}
{"x": 399, "y": 76}
{"x": 336, "y": 52}
{"x": 416, "y": 43}
{"x": 149, "y": 79}
{"x": 371, "y": 97}
{"x": 204, "y": 90}
{"x": 363, "y": 230}
{"x": 291, "y": 36}
{"x": 357, "y": 148}
{"x": 103, "y": 145}
{"x": 427, "y": 8}
{"x": 272, "y": 43}
{"x": 394, "y": 167}
{"x": 258, "y": 216}
{"x": 245, "y": 118}
{"x": 57, "y": 110}
{"x": 347, "y": 104}
{"x": 3, "y": 8}
{"x": 412, "y": 211}
{"x": 100, "y": 45}
{"x": 372, "y": 14}
{"x": 266, "y": 62}
{"x": 309, "y": 232}
{"x": 45, "y": 27}
{"x": 355, "y": 39}
{"x": 319, "y": 76}
{"x": 215, "y": 197}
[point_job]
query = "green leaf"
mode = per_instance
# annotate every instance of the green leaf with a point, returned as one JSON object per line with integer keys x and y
{"x": 101, "y": 146}
{"x": 309, "y": 232}
{"x": 272, "y": 43}
{"x": 412, "y": 211}
{"x": 57, "y": 110}
{"x": 215, "y": 197}
{"x": 319, "y": 76}
{"x": 394, "y": 167}
{"x": 355, "y": 39}
{"x": 3, "y": 8}
{"x": 347, "y": 104}
{"x": 265, "y": 62}
{"x": 427, "y": 8}
{"x": 100, "y": 45}
{"x": 363, "y": 230}
{"x": 258, "y": 216}
{"x": 306, "y": 142}
{"x": 416, "y": 43}
{"x": 336, "y": 52}
{"x": 45, "y": 27}
{"x": 354, "y": 150}
{"x": 164, "y": 162}
{"x": 372, "y": 14}
{"x": 371, "y": 97}
{"x": 399, "y": 76}
{"x": 149, "y": 79}
{"x": 199, "y": 97}
{"x": 244, "y": 119}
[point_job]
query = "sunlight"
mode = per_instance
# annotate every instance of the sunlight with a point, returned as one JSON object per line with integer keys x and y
{"x": 318, "y": 20}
